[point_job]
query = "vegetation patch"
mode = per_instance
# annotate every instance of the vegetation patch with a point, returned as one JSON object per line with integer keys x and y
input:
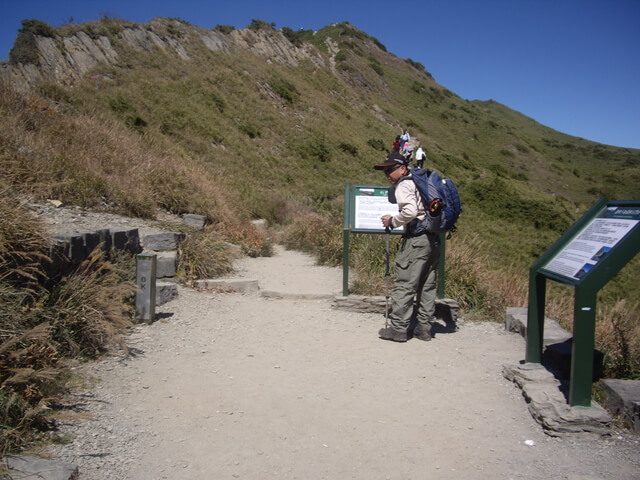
{"x": 285, "y": 89}
{"x": 226, "y": 29}
{"x": 496, "y": 198}
{"x": 24, "y": 47}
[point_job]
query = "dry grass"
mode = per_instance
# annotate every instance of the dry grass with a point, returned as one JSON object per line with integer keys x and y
{"x": 91, "y": 161}
{"x": 486, "y": 293}
{"x": 203, "y": 255}
{"x": 79, "y": 317}
{"x": 41, "y": 325}
{"x": 316, "y": 234}
{"x": 618, "y": 335}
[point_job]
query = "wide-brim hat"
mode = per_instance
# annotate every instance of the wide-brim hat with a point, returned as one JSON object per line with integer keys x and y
{"x": 391, "y": 161}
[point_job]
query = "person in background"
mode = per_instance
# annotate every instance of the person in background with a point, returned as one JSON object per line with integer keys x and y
{"x": 396, "y": 145}
{"x": 404, "y": 138}
{"x": 420, "y": 157}
{"x": 407, "y": 150}
{"x": 417, "y": 259}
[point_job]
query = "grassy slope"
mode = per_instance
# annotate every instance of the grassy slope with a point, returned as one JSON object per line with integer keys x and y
{"x": 235, "y": 137}
{"x": 287, "y": 139}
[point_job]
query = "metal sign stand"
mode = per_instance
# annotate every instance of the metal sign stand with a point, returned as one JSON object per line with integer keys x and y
{"x": 586, "y": 257}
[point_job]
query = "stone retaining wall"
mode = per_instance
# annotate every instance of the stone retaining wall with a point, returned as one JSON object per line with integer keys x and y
{"x": 68, "y": 250}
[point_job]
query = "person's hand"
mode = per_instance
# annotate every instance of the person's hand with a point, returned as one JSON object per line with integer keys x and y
{"x": 386, "y": 220}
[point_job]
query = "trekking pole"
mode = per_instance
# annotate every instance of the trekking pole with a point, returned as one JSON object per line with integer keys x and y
{"x": 386, "y": 277}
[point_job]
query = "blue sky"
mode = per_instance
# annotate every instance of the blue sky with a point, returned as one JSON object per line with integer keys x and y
{"x": 573, "y": 65}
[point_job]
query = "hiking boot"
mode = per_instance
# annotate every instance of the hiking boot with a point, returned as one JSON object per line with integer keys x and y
{"x": 422, "y": 333}
{"x": 393, "y": 335}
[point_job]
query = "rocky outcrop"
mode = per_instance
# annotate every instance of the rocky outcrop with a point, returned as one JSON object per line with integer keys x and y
{"x": 63, "y": 61}
{"x": 66, "y": 60}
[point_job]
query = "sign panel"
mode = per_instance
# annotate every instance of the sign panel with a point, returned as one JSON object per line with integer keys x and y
{"x": 370, "y": 204}
{"x": 592, "y": 244}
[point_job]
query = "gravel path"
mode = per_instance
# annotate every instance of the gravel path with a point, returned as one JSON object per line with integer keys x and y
{"x": 242, "y": 386}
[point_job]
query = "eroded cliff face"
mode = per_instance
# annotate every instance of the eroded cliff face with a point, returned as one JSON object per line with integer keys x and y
{"x": 66, "y": 60}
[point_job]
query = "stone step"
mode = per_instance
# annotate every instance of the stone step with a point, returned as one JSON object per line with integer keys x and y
{"x": 229, "y": 285}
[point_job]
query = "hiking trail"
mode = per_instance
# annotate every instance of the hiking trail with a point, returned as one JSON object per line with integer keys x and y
{"x": 229, "y": 385}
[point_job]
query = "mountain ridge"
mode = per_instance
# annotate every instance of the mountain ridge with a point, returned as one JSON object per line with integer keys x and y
{"x": 309, "y": 111}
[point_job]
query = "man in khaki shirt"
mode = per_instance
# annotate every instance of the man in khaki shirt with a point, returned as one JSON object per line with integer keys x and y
{"x": 417, "y": 259}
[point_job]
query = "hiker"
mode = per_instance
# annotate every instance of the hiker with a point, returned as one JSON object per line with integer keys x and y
{"x": 404, "y": 138}
{"x": 396, "y": 145}
{"x": 420, "y": 157}
{"x": 407, "y": 150}
{"x": 416, "y": 261}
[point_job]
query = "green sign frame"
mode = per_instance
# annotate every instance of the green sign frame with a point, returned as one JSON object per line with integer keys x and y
{"x": 587, "y": 256}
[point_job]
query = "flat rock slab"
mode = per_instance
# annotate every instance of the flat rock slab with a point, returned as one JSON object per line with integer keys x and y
{"x": 196, "y": 221}
{"x": 296, "y": 296}
{"x": 229, "y": 285}
{"x": 622, "y": 397}
{"x": 446, "y": 308}
{"x": 516, "y": 321}
{"x": 165, "y": 292}
{"x": 22, "y": 467}
{"x": 163, "y": 241}
{"x": 547, "y": 403}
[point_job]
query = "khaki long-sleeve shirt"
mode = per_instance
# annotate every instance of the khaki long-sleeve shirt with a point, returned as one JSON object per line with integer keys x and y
{"x": 410, "y": 205}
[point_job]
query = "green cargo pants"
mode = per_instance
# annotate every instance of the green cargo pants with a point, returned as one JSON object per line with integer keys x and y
{"x": 415, "y": 274}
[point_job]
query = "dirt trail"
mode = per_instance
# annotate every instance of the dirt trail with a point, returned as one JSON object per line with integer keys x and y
{"x": 242, "y": 386}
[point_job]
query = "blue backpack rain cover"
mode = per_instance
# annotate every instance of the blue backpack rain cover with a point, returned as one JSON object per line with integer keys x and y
{"x": 443, "y": 214}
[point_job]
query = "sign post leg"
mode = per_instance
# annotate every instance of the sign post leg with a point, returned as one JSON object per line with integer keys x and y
{"x": 584, "y": 327}
{"x": 535, "y": 317}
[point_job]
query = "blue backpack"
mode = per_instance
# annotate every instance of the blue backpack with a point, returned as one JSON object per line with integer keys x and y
{"x": 440, "y": 198}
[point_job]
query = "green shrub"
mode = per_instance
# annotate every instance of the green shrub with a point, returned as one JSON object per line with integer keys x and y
{"x": 418, "y": 87}
{"x": 341, "y": 56}
{"x": 54, "y": 92}
{"x": 377, "y": 144}
{"x": 497, "y": 198}
{"x": 499, "y": 169}
{"x": 377, "y": 68}
{"x": 260, "y": 25}
{"x": 318, "y": 149}
{"x": 24, "y": 48}
{"x": 120, "y": 104}
{"x": 226, "y": 29}
{"x": 135, "y": 122}
{"x": 379, "y": 44}
{"x": 250, "y": 130}
{"x": 414, "y": 64}
{"x": 174, "y": 31}
{"x": 292, "y": 36}
{"x": 348, "y": 148}
{"x": 218, "y": 102}
{"x": 285, "y": 89}
{"x": 507, "y": 153}
{"x": 520, "y": 176}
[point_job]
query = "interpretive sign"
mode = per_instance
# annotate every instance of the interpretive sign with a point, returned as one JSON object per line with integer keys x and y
{"x": 369, "y": 205}
{"x": 587, "y": 256}
{"x": 364, "y": 206}
{"x": 592, "y": 244}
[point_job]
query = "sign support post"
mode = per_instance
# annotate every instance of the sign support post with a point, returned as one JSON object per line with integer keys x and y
{"x": 345, "y": 241}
